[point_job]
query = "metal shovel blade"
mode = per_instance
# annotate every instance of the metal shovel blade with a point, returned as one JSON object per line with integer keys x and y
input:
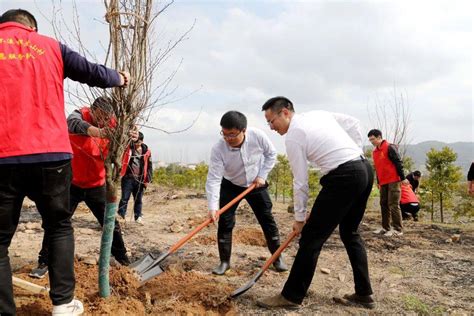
{"x": 245, "y": 288}
{"x": 141, "y": 265}
{"x": 150, "y": 274}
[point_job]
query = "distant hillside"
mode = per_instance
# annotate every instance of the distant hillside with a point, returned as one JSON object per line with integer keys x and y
{"x": 464, "y": 150}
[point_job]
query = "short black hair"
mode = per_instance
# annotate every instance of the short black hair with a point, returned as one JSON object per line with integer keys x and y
{"x": 417, "y": 173}
{"x": 374, "y": 132}
{"x": 104, "y": 104}
{"x": 278, "y": 103}
{"x": 140, "y": 136}
{"x": 234, "y": 119}
{"x": 20, "y": 16}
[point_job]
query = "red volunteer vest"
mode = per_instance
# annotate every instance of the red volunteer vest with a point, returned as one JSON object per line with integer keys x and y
{"x": 407, "y": 195}
{"x": 386, "y": 171}
{"x": 88, "y": 169}
{"x": 32, "y": 119}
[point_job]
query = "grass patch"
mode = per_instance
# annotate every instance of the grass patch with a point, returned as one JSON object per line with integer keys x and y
{"x": 413, "y": 303}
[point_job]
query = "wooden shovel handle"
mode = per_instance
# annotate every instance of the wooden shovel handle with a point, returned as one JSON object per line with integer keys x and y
{"x": 278, "y": 252}
{"x": 208, "y": 221}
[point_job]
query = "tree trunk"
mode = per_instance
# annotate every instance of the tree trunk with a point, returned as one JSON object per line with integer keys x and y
{"x": 441, "y": 206}
{"x": 107, "y": 237}
{"x": 432, "y": 207}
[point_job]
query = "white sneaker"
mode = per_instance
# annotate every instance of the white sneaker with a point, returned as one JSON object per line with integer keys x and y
{"x": 379, "y": 231}
{"x": 73, "y": 308}
{"x": 391, "y": 233}
{"x": 139, "y": 220}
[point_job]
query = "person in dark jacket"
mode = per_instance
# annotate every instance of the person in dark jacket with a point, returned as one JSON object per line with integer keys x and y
{"x": 35, "y": 156}
{"x": 470, "y": 180}
{"x": 137, "y": 172}
{"x": 87, "y": 134}
{"x": 414, "y": 179}
{"x": 389, "y": 170}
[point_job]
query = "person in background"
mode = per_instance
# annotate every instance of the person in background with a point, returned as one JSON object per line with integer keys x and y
{"x": 470, "y": 180}
{"x": 409, "y": 203}
{"x": 35, "y": 151}
{"x": 414, "y": 179}
{"x": 389, "y": 170}
{"x": 137, "y": 172}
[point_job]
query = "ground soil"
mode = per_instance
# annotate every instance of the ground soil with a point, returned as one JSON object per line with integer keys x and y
{"x": 422, "y": 272}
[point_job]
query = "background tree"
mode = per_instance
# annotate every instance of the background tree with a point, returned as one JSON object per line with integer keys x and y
{"x": 392, "y": 116}
{"x": 444, "y": 176}
{"x": 313, "y": 181}
{"x": 281, "y": 179}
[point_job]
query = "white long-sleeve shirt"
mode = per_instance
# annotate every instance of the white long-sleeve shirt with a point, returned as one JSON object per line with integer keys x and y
{"x": 241, "y": 166}
{"x": 326, "y": 140}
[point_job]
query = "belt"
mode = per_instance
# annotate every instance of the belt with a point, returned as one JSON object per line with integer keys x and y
{"x": 361, "y": 157}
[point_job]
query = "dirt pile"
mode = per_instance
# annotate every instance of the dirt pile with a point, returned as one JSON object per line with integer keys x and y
{"x": 175, "y": 291}
{"x": 181, "y": 292}
{"x": 250, "y": 236}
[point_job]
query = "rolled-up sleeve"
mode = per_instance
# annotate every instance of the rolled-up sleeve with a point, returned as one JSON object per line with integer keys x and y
{"x": 214, "y": 179}
{"x": 299, "y": 167}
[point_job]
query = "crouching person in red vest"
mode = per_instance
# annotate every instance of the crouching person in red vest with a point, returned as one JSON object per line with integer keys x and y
{"x": 409, "y": 203}
{"x": 86, "y": 129}
{"x": 137, "y": 172}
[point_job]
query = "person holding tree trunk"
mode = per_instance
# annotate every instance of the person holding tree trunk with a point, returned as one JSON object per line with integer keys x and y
{"x": 35, "y": 156}
{"x": 243, "y": 156}
{"x": 87, "y": 132}
{"x": 333, "y": 142}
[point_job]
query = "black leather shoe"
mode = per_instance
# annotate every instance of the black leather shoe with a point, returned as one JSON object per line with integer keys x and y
{"x": 221, "y": 268}
{"x": 279, "y": 265}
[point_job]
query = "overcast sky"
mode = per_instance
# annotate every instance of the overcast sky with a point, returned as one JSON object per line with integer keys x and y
{"x": 341, "y": 56}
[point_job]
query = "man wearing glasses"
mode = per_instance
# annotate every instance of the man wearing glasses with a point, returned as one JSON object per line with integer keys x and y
{"x": 333, "y": 142}
{"x": 242, "y": 157}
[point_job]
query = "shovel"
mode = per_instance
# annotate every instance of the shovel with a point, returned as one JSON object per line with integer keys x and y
{"x": 34, "y": 288}
{"x": 267, "y": 264}
{"x": 149, "y": 266}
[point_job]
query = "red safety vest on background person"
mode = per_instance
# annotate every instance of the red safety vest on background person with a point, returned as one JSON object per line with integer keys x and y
{"x": 126, "y": 160}
{"x": 31, "y": 93}
{"x": 385, "y": 168}
{"x": 407, "y": 195}
{"x": 88, "y": 168}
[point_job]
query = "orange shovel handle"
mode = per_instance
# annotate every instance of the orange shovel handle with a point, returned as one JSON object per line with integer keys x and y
{"x": 208, "y": 221}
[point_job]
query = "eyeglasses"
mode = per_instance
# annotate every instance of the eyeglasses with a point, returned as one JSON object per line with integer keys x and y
{"x": 270, "y": 123}
{"x": 230, "y": 136}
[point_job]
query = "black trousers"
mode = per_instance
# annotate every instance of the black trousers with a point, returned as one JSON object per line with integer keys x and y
{"x": 261, "y": 204}
{"x": 47, "y": 184}
{"x": 341, "y": 201}
{"x": 408, "y": 208}
{"x": 95, "y": 199}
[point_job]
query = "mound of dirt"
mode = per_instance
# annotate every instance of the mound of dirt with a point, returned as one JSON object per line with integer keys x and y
{"x": 182, "y": 292}
{"x": 206, "y": 239}
{"x": 250, "y": 236}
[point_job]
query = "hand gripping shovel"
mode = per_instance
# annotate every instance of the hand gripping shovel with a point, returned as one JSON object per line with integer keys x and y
{"x": 267, "y": 264}
{"x": 149, "y": 266}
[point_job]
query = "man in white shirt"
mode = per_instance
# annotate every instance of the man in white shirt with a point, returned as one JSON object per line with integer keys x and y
{"x": 332, "y": 142}
{"x": 242, "y": 157}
